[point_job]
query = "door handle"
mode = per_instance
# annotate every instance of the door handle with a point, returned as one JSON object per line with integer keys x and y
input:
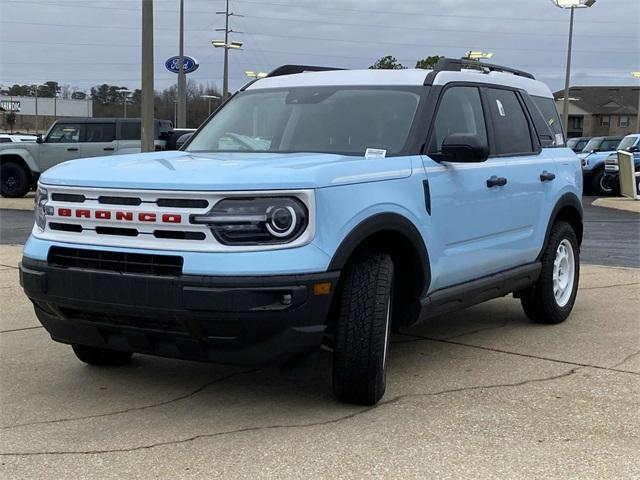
{"x": 109, "y": 149}
{"x": 496, "y": 182}
{"x": 72, "y": 149}
{"x": 547, "y": 176}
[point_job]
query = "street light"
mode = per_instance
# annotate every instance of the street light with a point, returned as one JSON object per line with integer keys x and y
{"x": 210, "y": 97}
{"x": 125, "y": 92}
{"x": 571, "y": 4}
{"x": 476, "y": 55}
{"x": 252, "y": 74}
{"x": 227, "y": 46}
{"x": 637, "y": 75}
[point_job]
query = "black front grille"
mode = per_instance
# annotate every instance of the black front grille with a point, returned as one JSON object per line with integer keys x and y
{"x": 67, "y": 197}
{"x": 165, "y": 265}
{"x": 158, "y": 324}
{"x": 120, "y": 200}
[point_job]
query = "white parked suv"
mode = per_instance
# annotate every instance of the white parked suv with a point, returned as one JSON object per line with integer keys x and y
{"x": 21, "y": 164}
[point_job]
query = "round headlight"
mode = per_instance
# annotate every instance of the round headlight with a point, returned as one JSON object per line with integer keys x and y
{"x": 281, "y": 221}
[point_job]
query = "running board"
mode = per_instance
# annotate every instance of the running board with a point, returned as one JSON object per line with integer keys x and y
{"x": 477, "y": 291}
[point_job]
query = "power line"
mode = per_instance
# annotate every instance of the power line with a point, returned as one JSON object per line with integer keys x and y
{"x": 317, "y": 7}
{"x": 303, "y": 20}
{"x": 327, "y": 39}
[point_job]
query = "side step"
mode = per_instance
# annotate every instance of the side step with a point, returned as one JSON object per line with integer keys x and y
{"x": 477, "y": 291}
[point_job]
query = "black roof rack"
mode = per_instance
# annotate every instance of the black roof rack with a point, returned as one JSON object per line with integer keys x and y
{"x": 457, "y": 64}
{"x": 291, "y": 69}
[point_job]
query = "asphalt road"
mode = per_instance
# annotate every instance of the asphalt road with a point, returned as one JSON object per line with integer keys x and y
{"x": 611, "y": 236}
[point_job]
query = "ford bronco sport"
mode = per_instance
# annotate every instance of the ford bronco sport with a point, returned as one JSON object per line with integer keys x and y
{"x": 316, "y": 205}
{"x": 68, "y": 139}
{"x": 593, "y": 158}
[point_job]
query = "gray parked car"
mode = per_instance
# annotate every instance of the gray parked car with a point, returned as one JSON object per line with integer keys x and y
{"x": 22, "y": 163}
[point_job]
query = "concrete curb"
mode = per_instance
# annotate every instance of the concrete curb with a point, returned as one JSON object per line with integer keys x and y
{"x": 25, "y": 203}
{"x": 619, "y": 203}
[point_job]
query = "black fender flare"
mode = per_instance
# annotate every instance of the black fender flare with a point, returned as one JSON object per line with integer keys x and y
{"x": 379, "y": 223}
{"x": 568, "y": 201}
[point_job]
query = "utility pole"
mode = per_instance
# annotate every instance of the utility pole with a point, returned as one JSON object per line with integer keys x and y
{"x": 182, "y": 80}
{"x": 226, "y": 45}
{"x": 225, "y": 84}
{"x": 148, "y": 131}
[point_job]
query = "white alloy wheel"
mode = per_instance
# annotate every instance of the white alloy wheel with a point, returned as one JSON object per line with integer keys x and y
{"x": 563, "y": 273}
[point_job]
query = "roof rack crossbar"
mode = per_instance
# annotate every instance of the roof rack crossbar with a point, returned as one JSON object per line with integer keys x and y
{"x": 457, "y": 64}
{"x": 291, "y": 69}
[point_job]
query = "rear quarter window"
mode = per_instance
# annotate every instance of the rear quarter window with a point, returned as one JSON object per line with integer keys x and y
{"x": 130, "y": 131}
{"x": 547, "y": 107}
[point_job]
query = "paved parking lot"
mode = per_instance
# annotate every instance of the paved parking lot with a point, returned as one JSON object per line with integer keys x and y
{"x": 482, "y": 393}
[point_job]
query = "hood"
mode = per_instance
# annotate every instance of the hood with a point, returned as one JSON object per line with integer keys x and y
{"x": 176, "y": 170}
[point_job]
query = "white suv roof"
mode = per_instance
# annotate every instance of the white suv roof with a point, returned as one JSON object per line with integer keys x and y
{"x": 407, "y": 77}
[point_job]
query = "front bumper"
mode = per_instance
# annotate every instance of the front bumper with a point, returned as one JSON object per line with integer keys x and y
{"x": 244, "y": 320}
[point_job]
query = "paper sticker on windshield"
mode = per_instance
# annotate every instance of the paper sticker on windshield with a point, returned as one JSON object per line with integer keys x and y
{"x": 500, "y": 108}
{"x": 375, "y": 153}
{"x": 559, "y": 139}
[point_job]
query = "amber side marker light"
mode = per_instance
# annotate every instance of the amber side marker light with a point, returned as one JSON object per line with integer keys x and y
{"x": 323, "y": 288}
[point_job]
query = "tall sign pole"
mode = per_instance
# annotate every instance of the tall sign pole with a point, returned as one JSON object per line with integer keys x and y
{"x": 148, "y": 131}
{"x": 182, "y": 80}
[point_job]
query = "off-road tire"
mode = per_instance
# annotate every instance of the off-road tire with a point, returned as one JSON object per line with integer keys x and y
{"x": 15, "y": 180}
{"x": 598, "y": 184}
{"x": 541, "y": 305}
{"x": 101, "y": 356}
{"x": 363, "y": 329}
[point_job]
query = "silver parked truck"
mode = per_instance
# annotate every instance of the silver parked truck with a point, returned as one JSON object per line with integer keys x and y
{"x": 22, "y": 163}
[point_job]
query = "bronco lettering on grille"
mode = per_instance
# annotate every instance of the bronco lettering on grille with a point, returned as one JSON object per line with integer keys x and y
{"x": 122, "y": 216}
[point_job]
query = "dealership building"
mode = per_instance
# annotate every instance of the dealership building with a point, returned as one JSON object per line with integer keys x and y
{"x": 44, "y": 110}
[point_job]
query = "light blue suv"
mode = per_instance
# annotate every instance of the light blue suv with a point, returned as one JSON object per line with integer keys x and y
{"x": 315, "y": 206}
{"x": 593, "y": 159}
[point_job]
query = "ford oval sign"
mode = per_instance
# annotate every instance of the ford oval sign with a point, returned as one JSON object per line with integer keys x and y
{"x": 190, "y": 64}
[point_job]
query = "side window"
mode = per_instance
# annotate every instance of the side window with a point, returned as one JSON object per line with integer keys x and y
{"x": 65, "y": 133}
{"x": 130, "y": 131}
{"x": 547, "y": 107}
{"x": 609, "y": 144}
{"x": 460, "y": 111}
{"x": 5, "y": 140}
{"x": 100, "y": 132}
{"x": 512, "y": 134}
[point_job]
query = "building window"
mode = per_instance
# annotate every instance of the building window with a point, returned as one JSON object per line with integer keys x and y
{"x": 575, "y": 123}
{"x": 623, "y": 121}
{"x": 605, "y": 120}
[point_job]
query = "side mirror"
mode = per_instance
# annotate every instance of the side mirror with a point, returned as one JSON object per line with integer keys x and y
{"x": 39, "y": 138}
{"x": 464, "y": 147}
{"x": 634, "y": 149}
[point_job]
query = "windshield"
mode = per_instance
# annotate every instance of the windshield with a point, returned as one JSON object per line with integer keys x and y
{"x": 593, "y": 144}
{"x": 627, "y": 143}
{"x": 341, "y": 120}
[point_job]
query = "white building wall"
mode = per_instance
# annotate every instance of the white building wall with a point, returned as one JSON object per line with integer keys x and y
{"x": 50, "y": 107}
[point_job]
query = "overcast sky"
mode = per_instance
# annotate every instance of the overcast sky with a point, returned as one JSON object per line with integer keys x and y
{"x": 85, "y": 43}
